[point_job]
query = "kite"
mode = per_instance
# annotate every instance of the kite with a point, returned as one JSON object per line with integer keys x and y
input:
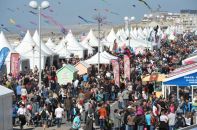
{"x": 144, "y": 2}
{"x": 12, "y": 21}
{"x": 134, "y": 6}
{"x": 11, "y": 10}
{"x": 59, "y": 2}
{"x": 4, "y": 28}
{"x": 32, "y": 12}
{"x": 33, "y": 23}
{"x": 85, "y": 20}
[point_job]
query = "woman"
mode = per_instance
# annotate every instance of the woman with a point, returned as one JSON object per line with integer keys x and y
{"x": 21, "y": 113}
{"x": 117, "y": 120}
{"x": 163, "y": 121}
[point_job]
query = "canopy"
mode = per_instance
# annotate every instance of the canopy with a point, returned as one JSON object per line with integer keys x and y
{"x": 63, "y": 52}
{"x": 190, "y": 60}
{"x": 184, "y": 76}
{"x": 105, "y": 58}
{"x": 50, "y": 44}
{"x": 91, "y": 39}
{"x": 154, "y": 77}
{"x": 43, "y": 46}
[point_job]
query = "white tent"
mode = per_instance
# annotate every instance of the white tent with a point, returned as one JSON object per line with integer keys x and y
{"x": 43, "y": 46}
{"x": 63, "y": 52}
{"x": 50, "y": 44}
{"x": 73, "y": 46}
{"x": 105, "y": 58}
{"x": 29, "y": 49}
{"x": 88, "y": 47}
{"x": 91, "y": 39}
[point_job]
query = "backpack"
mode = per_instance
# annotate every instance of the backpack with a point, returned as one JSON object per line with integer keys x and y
{"x": 43, "y": 114}
{"x": 180, "y": 122}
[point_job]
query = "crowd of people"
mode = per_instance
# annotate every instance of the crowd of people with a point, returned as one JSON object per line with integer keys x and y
{"x": 93, "y": 100}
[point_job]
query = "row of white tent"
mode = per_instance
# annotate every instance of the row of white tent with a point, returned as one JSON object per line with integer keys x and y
{"x": 28, "y": 48}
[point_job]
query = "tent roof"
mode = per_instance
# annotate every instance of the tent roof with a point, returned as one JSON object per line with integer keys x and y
{"x": 84, "y": 64}
{"x": 63, "y": 52}
{"x": 44, "y": 47}
{"x": 182, "y": 71}
{"x": 104, "y": 59}
{"x": 72, "y": 43}
{"x": 69, "y": 67}
{"x": 4, "y": 42}
{"x": 50, "y": 44}
{"x": 25, "y": 48}
{"x": 4, "y": 90}
{"x": 112, "y": 36}
{"x": 91, "y": 39}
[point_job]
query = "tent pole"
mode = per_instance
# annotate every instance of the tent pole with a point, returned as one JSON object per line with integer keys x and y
{"x": 177, "y": 92}
{"x": 192, "y": 93}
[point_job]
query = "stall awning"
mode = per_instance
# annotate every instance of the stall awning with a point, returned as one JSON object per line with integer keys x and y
{"x": 183, "y": 76}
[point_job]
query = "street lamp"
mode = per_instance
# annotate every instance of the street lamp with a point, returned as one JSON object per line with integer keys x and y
{"x": 44, "y": 5}
{"x": 128, "y": 21}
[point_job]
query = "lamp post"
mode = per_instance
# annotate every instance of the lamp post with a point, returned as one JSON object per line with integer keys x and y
{"x": 129, "y": 21}
{"x": 43, "y": 5}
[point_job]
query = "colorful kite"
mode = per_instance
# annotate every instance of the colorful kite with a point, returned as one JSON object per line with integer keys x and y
{"x": 85, "y": 20}
{"x": 33, "y": 23}
{"x": 12, "y": 21}
{"x": 145, "y": 3}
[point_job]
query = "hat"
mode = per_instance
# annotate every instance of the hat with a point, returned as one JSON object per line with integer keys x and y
{"x": 129, "y": 107}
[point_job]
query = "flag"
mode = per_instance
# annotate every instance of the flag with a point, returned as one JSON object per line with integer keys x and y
{"x": 116, "y": 71}
{"x": 3, "y": 54}
{"x": 127, "y": 68}
{"x": 14, "y": 64}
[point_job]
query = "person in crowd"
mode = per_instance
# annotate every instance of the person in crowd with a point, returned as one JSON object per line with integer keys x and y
{"x": 171, "y": 118}
{"x": 163, "y": 119}
{"x": 59, "y": 113}
{"x": 102, "y": 116}
{"x": 21, "y": 113}
{"x": 76, "y": 122}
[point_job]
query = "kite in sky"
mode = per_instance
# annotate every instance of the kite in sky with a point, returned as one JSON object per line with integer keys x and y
{"x": 85, "y": 20}
{"x": 134, "y": 6}
{"x": 11, "y": 10}
{"x": 145, "y": 3}
{"x": 5, "y": 28}
{"x": 12, "y": 21}
{"x": 33, "y": 23}
{"x": 32, "y": 12}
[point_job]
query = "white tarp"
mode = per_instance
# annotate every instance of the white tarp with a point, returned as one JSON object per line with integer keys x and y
{"x": 105, "y": 58}
{"x": 5, "y": 108}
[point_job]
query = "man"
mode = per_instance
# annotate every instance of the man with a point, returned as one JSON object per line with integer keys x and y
{"x": 59, "y": 112}
{"x": 21, "y": 113}
{"x": 171, "y": 118}
{"x": 44, "y": 116}
{"x": 18, "y": 91}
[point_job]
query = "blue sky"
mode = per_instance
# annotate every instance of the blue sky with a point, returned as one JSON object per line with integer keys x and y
{"x": 66, "y": 12}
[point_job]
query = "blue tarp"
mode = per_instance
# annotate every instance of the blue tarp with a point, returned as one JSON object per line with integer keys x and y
{"x": 187, "y": 80}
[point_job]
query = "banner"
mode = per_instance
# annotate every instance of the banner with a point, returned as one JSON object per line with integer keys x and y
{"x": 14, "y": 64}
{"x": 3, "y": 54}
{"x": 127, "y": 68}
{"x": 116, "y": 72}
